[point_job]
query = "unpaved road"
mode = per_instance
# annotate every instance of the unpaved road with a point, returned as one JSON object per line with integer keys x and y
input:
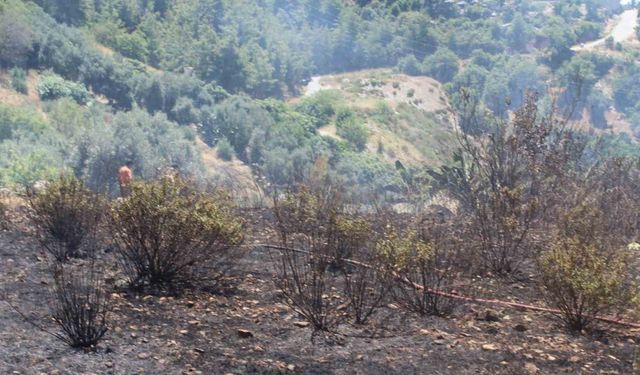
{"x": 623, "y": 30}
{"x": 313, "y": 86}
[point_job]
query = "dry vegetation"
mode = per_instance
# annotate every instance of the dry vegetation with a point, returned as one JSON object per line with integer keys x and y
{"x": 536, "y": 226}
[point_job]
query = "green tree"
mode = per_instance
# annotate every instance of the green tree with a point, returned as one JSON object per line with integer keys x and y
{"x": 16, "y": 40}
{"x": 234, "y": 119}
{"x": 519, "y": 34}
{"x": 442, "y": 65}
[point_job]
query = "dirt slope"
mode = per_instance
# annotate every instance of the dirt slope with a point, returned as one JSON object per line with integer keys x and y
{"x": 419, "y": 128}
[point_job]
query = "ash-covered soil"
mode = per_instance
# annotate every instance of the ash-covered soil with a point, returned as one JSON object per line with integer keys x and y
{"x": 248, "y": 330}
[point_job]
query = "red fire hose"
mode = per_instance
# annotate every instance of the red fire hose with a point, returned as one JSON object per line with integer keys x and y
{"x": 513, "y": 305}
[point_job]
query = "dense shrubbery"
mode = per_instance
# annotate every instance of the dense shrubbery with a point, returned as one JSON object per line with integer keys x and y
{"x": 204, "y": 52}
{"x": 66, "y": 215}
{"x": 169, "y": 234}
{"x": 53, "y": 87}
{"x": 16, "y": 38}
{"x": 348, "y": 127}
{"x": 31, "y": 148}
{"x": 224, "y": 149}
{"x": 150, "y": 142}
{"x": 321, "y": 107}
{"x": 442, "y": 65}
{"x": 19, "y": 80}
{"x": 234, "y": 119}
{"x": 18, "y": 121}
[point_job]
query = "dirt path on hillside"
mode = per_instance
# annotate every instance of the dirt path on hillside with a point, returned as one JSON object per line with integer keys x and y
{"x": 623, "y": 30}
{"x": 313, "y": 86}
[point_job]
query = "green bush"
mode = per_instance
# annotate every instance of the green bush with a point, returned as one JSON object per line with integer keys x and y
{"x": 383, "y": 113}
{"x": 26, "y": 161}
{"x": 321, "y": 106}
{"x": 184, "y": 112}
{"x": 16, "y": 120}
{"x": 169, "y": 235}
{"x": 16, "y": 39}
{"x": 235, "y": 119}
{"x": 225, "y": 150}
{"x": 354, "y": 133}
{"x": 609, "y": 42}
{"x": 442, "y": 65}
{"x": 53, "y": 87}
{"x": 409, "y": 65}
{"x": 366, "y": 172}
{"x": 66, "y": 215}
{"x": 133, "y": 45}
{"x": 345, "y": 115}
{"x": 348, "y": 127}
{"x": 150, "y": 142}
{"x": 581, "y": 275}
{"x": 19, "y": 80}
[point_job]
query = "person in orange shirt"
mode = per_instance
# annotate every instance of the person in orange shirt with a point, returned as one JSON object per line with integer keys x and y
{"x": 125, "y": 176}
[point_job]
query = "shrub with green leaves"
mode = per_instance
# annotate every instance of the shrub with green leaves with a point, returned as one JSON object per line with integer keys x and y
{"x": 409, "y": 65}
{"x": 170, "y": 235}
{"x": 225, "y": 150}
{"x": 321, "y": 107}
{"x": 383, "y": 113}
{"x": 581, "y": 274}
{"x": 66, "y": 215}
{"x": 421, "y": 258}
{"x": 17, "y": 120}
{"x": 19, "y": 80}
{"x": 348, "y": 127}
{"x": 52, "y": 87}
{"x": 27, "y": 161}
{"x": 150, "y": 142}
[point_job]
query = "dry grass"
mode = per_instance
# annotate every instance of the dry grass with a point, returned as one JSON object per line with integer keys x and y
{"x": 421, "y": 128}
{"x": 234, "y": 175}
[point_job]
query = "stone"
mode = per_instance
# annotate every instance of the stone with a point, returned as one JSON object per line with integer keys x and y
{"x": 301, "y": 324}
{"x": 531, "y": 368}
{"x": 490, "y": 347}
{"x": 520, "y": 328}
{"x": 143, "y": 355}
{"x": 491, "y": 316}
{"x": 244, "y": 334}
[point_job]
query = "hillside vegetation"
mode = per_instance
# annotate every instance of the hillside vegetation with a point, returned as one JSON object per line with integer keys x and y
{"x": 219, "y": 70}
{"x": 319, "y": 187}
